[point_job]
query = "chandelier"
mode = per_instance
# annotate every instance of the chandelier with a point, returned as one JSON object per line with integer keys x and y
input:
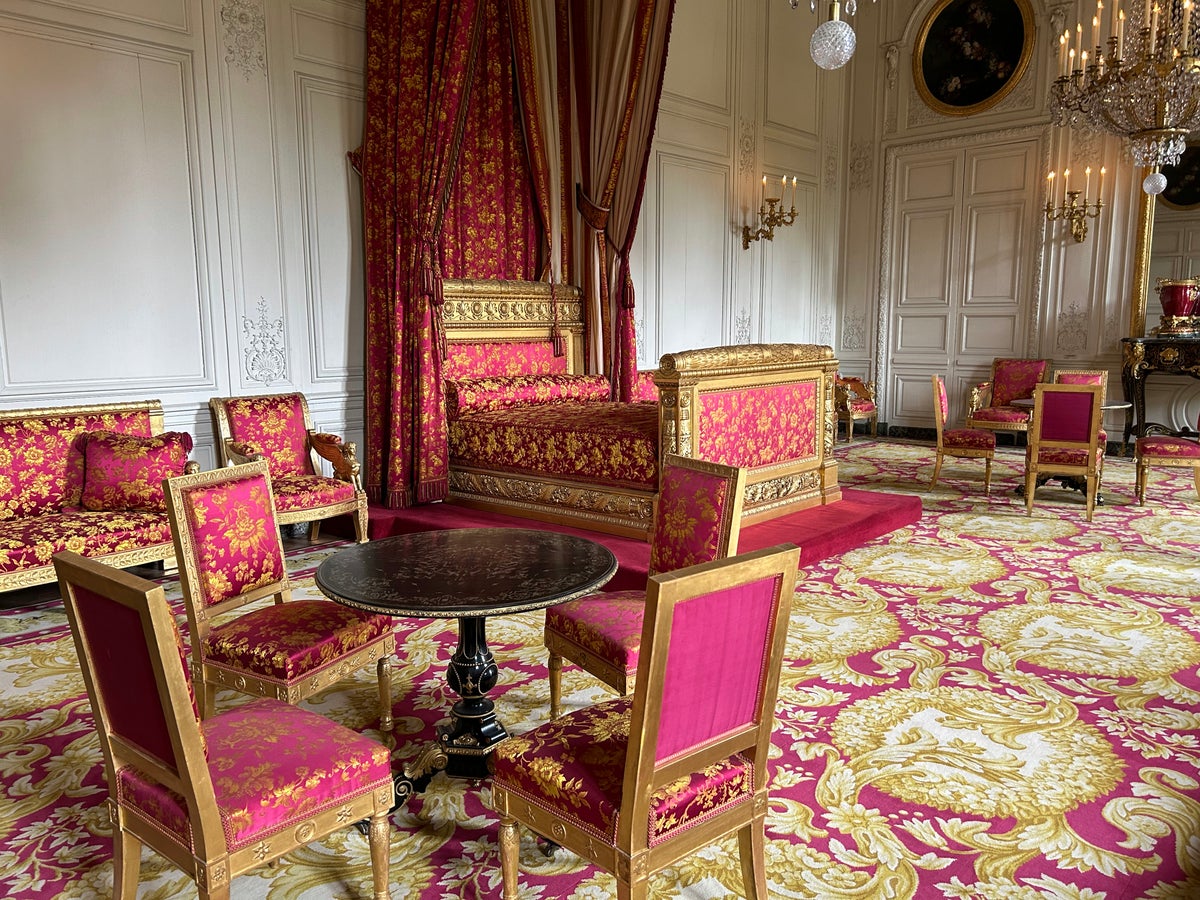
{"x": 833, "y": 42}
{"x": 1138, "y": 78}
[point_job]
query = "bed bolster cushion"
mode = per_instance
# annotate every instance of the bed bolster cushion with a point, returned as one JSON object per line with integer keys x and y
{"x": 759, "y": 426}
{"x": 485, "y": 359}
{"x": 505, "y": 391}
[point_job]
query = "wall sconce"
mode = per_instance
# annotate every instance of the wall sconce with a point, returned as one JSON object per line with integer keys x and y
{"x": 1072, "y": 209}
{"x": 769, "y": 217}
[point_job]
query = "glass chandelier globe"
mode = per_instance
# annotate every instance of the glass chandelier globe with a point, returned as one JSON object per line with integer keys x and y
{"x": 833, "y": 42}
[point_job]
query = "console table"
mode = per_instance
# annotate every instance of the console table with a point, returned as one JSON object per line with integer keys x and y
{"x": 1144, "y": 355}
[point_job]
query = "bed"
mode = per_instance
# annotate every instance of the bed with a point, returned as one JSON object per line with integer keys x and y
{"x": 531, "y": 435}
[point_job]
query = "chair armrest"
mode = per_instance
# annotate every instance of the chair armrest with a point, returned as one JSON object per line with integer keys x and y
{"x": 342, "y": 454}
{"x": 241, "y": 452}
{"x": 981, "y": 397}
{"x": 191, "y": 467}
{"x": 847, "y": 390}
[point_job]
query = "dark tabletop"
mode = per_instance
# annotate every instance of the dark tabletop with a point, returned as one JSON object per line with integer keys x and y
{"x": 465, "y": 572}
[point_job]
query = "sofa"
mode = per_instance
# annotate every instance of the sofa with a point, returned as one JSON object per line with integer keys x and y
{"x": 86, "y": 479}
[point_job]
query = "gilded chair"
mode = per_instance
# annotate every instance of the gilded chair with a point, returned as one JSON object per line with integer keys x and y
{"x": 230, "y": 556}
{"x": 1164, "y": 451}
{"x": 650, "y": 780}
{"x": 279, "y": 429}
{"x": 854, "y": 401}
{"x": 1087, "y": 376}
{"x": 1064, "y": 439}
{"x": 962, "y": 443}
{"x": 219, "y": 798}
{"x": 697, "y": 519}
{"x": 991, "y": 404}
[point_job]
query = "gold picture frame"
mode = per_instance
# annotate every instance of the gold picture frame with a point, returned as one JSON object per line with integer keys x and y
{"x": 970, "y": 54}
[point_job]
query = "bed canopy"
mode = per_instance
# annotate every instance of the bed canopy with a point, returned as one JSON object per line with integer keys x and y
{"x": 504, "y": 139}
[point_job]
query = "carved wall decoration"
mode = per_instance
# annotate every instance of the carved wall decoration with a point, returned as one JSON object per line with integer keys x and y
{"x": 831, "y": 166}
{"x": 862, "y": 164}
{"x": 1072, "y": 330}
{"x": 1114, "y": 330}
{"x": 854, "y": 330}
{"x": 745, "y": 146}
{"x": 825, "y": 329}
{"x": 1058, "y": 22}
{"x": 741, "y": 333}
{"x": 266, "y": 361}
{"x": 891, "y": 58}
{"x": 244, "y": 31}
{"x": 1086, "y": 149}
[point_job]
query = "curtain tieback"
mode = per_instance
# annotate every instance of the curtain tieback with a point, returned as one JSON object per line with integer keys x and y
{"x": 595, "y": 217}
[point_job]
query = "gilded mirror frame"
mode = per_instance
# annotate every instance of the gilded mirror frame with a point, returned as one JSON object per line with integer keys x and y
{"x": 1141, "y": 261}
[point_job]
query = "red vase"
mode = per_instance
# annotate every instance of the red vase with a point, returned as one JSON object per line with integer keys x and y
{"x": 1178, "y": 297}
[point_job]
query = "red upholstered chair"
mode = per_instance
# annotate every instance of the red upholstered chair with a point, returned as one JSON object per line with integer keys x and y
{"x": 854, "y": 401}
{"x": 697, "y": 519}
{"x": 1087, "y": 376}
{"x": 230, "y": 555}
{"x": 634, "y": 784}
{"x": 279, "y": 429}
{"x": 1168, "y": 452}
{"x": 1012, "y": 379}
{"x": 1064, "y": 438}
{"x": 215, "y": 798}
{"x": 964, "y": 443}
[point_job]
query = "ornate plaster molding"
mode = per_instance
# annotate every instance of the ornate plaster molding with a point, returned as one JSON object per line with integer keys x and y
{"x": 244, "y": 32}
{"x": 266, "y": 360}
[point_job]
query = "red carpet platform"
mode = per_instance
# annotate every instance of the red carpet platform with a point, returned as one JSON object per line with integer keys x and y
{"x": 820, "y": 532}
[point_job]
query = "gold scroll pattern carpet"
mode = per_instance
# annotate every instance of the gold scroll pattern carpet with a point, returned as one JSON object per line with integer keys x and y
{"x": 981, "y": 705}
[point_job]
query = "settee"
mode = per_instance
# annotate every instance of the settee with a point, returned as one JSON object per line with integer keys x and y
{"x": 86, "y": 479}
{"x": 530, "y": 435}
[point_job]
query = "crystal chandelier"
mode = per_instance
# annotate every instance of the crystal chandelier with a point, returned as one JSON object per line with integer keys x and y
{"x": 833, "y": 42}
{"x": 1141, "y": 81}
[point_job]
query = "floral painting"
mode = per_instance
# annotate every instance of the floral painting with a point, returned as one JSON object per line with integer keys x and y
{"x": 971, "y": 53}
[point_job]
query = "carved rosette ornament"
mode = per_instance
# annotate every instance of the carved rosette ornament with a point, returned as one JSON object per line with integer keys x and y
{"x": 244, "y": 32}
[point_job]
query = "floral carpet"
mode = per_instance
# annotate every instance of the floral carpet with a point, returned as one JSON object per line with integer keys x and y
{"x": 981, "y": 705}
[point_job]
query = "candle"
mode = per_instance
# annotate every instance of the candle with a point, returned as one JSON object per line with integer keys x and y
{"x": 782, "y": 186}
{"x": 1071, "y": 59}
{"x": 1078, "y": 40}
{"x": 1115, "y": 13}
{"x": 1083, "y": 68}
{"x": 1066, "y": 182}
{"x": 1187, "y": 23}
{"x": 1087, "y": 182}
{"x": 793, "y": 192}
{"x": 1049, "y": 190}
{"x": 764, "y": 191}
{"x": 1153, "y": 29}
{"x": 1100, "y": 190}
{"x": 1062, "y": 55}
{"x": 1096, "y": 29}
{"x": 1120, "y": 34}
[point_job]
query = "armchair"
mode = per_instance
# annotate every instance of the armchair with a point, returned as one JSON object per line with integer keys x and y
{"x": 216, "y": 798}
{"x": 279, "y": 429}
{"x": 634, "y": 784}
{"x": 230, "y": 555}
{"x": 1167, "y": 451}
{"x": 964, "y": 443}
{"x": 698, "y": 518}
{"x": 1064, "y": 438}
{"x": 854, "y": 401}
{"x": 991, "y": 406}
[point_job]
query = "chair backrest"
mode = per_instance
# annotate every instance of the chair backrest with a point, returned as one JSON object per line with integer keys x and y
{"x": 1084, "y": 376}
{"x": 1065, "y": 416}
{"x": 131, "y": 655}
{"x": 699, "y": 513}
{"x": 276, "y": 425}
{"x": 941, "y": 405}
{"x": 226, "y": 541}
{"x": 712, "y": 645}
{"x": 1014, "y": 379}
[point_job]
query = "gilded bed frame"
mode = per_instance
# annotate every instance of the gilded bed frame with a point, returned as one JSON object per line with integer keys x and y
{"x": 507, "y": 311}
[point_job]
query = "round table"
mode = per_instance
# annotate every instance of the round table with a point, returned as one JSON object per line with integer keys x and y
{"x": 466, "y": 574}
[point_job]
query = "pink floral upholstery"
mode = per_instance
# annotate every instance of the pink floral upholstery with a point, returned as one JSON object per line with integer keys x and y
{"x": 607, "y": 624}
{"x": 31, "y": 542}
{"x": 1002, "y": 414}
{"x": 275, "y": 427}
{"x": 644, "y": 387}
{"x": 613, "y": 443}
{"x": 291, "y": 640}
{"x": 272, "y": 765}
{"x": 688, "y": 523}
{"x": 1062, "y": 456}
{"x": 1079, "y": 378}
{"x": 126, "y": 472}
{"x": 1171, "y": 447}
{"x": 575, "y": 766}
{"x": 514, "y": 390}
{"x": 237, "y": 544}
{"x": 758, "y": 426}
{"x": 309, "y": 491}
{"x": 968, "y": 439}
{"x": 1015, "y": 379}
{"x": 483, "y": 359}
{"x": 41, "y": 467}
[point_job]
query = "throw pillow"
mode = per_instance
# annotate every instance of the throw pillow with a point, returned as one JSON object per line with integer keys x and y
{"x": 126, "y": 472}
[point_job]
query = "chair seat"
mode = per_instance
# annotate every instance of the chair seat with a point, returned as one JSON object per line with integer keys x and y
{"x": 272, "y": 765}
{"x": 290, "y": 640}
{"x": 309, "y": 491}
{"x": 968, "y": 439}
{"x": 1058, "y": 456}
{"x": 862, "y": 407}
{"x": 607, "y": 624}
{"x": 573, "y": 767}
{"x": 1001, "y": 414}
{"x": 1169, "y": 447}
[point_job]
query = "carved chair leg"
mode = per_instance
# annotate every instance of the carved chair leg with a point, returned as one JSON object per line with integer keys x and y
{"x": 314, "y": 529}
{"x": 1196, "y": 478}
{"x": 937, "y": 467}
{"x": 1030, "y": 488}
{"x": 208, "y": 700}
{"x": 987, "y": 475}
{"x": 555, "y": 667}
{"x": 127, "y": 863}
{"x": 383, "y": 672}
{"x": 510, "y": 849}
{"x": 380, "y": 839}
{"x": 1139, "y": 481}
{"x": 752, "y": 850}
{"x": 875, "y": 426}
{"x": 360, "y": 525}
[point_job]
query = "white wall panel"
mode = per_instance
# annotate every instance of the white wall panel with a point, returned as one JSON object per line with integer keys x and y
{"x": 328, "y": 40}
{"x": 921, "y": 334}
{"x": 99, "y": 234}
{"x": 790, "y": 270}
{"x": 989, "y": 335}
{"x": 172, "y": 14}
{"x": 793, "y": 84}
{"x": 926, "y": 245}
{"x": 933, "y": 180}
{"x": 701, "y": 55}
{"x": 994, "y": 263}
